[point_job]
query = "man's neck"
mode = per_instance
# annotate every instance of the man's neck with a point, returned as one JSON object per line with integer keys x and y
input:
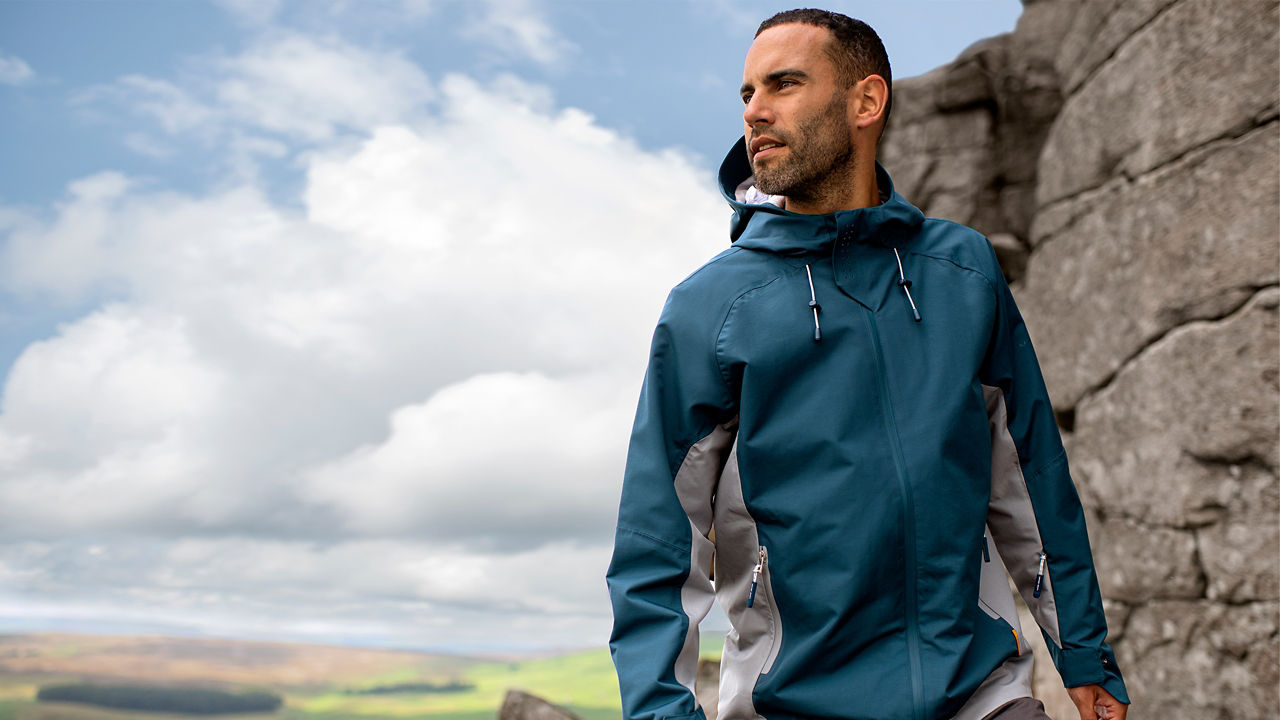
{"x": 843, "y": 191}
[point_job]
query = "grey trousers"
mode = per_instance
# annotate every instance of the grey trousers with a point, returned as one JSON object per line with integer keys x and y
{"x": 1020, "y": 709}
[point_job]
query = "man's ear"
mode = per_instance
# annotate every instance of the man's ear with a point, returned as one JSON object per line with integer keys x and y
{"x": 868, "y": 100}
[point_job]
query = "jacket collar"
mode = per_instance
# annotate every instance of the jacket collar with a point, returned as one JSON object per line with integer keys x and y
{"x": 865, "y": 245}
{"x": 765, "y": 226}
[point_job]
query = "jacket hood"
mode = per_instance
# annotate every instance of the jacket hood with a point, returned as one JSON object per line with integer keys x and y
{"x": 758, "y": 224}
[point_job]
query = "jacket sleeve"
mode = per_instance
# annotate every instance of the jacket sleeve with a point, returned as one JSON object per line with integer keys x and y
{"x": 659, "y": 578}
{"x": 1035, "y": 514}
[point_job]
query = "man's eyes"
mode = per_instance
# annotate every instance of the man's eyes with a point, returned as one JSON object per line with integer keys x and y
{"x": 779, "y": 85}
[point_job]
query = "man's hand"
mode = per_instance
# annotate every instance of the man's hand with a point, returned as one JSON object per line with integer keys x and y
{"x": 1094, "y": 703}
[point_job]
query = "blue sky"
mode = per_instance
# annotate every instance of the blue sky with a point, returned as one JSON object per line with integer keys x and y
{"x": 325, "y": 320}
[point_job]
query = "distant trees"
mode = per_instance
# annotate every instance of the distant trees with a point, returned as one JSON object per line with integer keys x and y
{"x": 154, "y": 698}
{"x": 419, "y": 687}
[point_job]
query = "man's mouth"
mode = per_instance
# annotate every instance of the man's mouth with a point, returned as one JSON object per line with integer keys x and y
{"x": 764, "y": 146}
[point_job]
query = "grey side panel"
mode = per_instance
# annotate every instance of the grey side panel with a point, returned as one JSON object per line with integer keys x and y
{"x": 1012, "y": 519}
{"x": 696, "y": 597}
{"x": 994, "y": 596}
{"x": 695, "y": 484}
{"x": 1010, "y": 681}
{"x": 756, "y": 631}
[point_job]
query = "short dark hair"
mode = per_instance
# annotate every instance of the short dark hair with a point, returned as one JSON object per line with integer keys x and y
{"x": 855, "y": 49}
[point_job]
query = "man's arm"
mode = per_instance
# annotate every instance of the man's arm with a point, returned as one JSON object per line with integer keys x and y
{"x": 659, "y": 579}
{"x": 1035, "y": 513}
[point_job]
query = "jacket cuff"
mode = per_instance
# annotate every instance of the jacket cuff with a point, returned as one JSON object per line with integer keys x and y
{"x": 1092, "y": 666}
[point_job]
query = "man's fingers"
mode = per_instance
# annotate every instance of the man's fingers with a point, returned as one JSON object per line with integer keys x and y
{"x": 1111, "y": 708}
{"x": 1084, "y": 699}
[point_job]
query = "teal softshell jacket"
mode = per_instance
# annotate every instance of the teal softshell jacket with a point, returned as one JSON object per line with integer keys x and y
{"x": 844, "y": 437}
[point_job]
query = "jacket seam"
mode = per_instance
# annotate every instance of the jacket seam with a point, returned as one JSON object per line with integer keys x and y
{"x": 722, "y": 257}
{"x": 720, "y": 334}
{"x": 990, "y": 283}
{"x": 654, "y": 538}
{"x": 1033, "y": 476}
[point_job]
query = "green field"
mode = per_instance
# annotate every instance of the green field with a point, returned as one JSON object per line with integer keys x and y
{"x": 583, "y": 682}
{"x": 317, "y": 682}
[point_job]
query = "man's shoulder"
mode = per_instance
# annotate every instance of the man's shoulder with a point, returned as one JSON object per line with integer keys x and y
{"x": 727, "y": 275}
{"x": 708, "y": 293}
{"x": 959, "y": 245}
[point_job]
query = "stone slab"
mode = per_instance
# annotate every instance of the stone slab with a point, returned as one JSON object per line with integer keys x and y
{"x": 1198, "y": 659}
{"x": 1097, "y": 31}
{"x": 1239, "y": 553}
{"x": 1124, "y": 265}
{"x": 520, "y": 705}
{"x": 1189, "y": 425}
{"x": 1137, "y": 563}
{"x": 1200, "y": 71}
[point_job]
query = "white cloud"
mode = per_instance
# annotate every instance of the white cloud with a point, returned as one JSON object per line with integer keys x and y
{"x": 396, "y": 593}
{"x": 519, "y": 27}
{"x": 14, "y": 70}
{"x": 148, "y": 145}
{"x": 534, "y": 458}
{"x": 172, "y": 106}
{"x": 417, "y": 9}
{"x": 284, "y": 88}
{"x": 252, "y": 12}
{"x": 308, "y": 88}
{"x": 67, "y": 259}
{"x": 417, "y": 376}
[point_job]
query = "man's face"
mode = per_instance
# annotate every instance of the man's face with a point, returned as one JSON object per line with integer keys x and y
{"x": 796, "y": 119}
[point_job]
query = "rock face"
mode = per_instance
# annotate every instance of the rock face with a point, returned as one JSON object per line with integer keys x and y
{"x": 1122, "y": 156}
{"x": 520, "y": 705}
{"x": 707, "y": 686}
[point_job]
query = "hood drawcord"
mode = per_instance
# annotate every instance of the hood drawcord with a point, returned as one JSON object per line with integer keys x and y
{"x": 813, "y": 303}
{"x": 905, "y": 284}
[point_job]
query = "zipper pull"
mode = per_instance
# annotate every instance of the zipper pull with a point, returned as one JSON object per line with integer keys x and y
{"x": 986, "y": 553}
{"x": 1039, "y": 577}
{"x": 755, "y": 576}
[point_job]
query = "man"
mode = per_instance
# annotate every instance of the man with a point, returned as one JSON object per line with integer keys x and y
{"x": 843, "y": 422}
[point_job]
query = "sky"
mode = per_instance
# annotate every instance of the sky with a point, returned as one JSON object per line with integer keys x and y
{"x": 325, "y": 321}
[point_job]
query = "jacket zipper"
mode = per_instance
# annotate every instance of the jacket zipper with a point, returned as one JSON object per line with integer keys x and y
{"x": 755, "y": 575}
{"x": 1039, "y": 577}
{"x": 908, "y": 526}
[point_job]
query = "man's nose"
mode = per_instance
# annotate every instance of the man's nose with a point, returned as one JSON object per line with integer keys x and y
{"x": 757, "y": 111}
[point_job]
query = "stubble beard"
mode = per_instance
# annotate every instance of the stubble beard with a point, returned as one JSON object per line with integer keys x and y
{"x": 820, "y": 157}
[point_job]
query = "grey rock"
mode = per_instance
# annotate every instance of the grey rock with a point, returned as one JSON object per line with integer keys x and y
{"x": 1038, "y": 40}
{"x": 939, "y": 162}
{"x": 972, "y": 78}
{"x": 1200, "y": 71}
{"x": 964, "y": 140}
{"x": 1238, "y": 554}
{"x": 1173, "y": 440}
{"x": 1011, "y": 253}
{"x": 1115, "y": 269}
{"x": 1117, "y": 619}
{"x": 1097, "y": 31}
{"x": 1202, "y": 659}
{"x": 1137, "y": 562}
{"x": 707, "y": 686}
{"x": 914, "y": 99}
{"x": 520, "y": 705}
